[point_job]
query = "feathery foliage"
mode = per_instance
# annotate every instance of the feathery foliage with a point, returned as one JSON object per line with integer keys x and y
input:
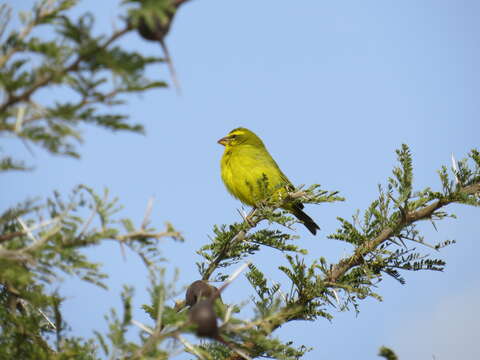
{"x": 97, "y": 74}
{"x": 42, "y": 241}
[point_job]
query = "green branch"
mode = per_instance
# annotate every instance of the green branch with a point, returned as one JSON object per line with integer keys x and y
{"x": 386, "y": 234}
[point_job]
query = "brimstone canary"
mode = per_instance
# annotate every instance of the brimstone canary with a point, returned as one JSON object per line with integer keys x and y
{"x": 251, "y": 175}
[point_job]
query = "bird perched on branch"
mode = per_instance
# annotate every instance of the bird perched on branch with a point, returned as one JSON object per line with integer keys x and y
{"x": 251, "y": 175}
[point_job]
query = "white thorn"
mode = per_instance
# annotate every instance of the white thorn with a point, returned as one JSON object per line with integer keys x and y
{"x": 455, "y": 169}
{"x": 20, "y": 117}
{"x": 142, "y": 326}
{"x": 148, "y": 212}
{"x": 26, "y": 229}
{"x": 235, "y": 274}
{"x": 336, "y": 296}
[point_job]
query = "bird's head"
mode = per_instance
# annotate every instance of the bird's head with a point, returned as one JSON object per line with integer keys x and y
{"x": 241, "y": 136}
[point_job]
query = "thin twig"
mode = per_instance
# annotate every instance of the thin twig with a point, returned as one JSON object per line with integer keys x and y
{"x": 23, "y": 254}
{"x": 145, "y": 234}
{"x": 5, "y": 16}
{"x": 251, "y": 222}
{"x": 189, "y": 346}
{"x": 88, "y": 222}
{"x": 161, "y": 302}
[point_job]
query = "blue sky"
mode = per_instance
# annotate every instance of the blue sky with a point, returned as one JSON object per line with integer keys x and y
{"x": 333, "y": 88}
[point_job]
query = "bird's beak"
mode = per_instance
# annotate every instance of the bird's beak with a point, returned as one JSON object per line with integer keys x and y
{"x": 223, "y": 141}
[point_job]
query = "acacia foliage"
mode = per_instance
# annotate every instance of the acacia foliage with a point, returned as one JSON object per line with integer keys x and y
{"x": 41, "y": 240}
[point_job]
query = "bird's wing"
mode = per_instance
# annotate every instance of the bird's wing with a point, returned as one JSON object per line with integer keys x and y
{"x": 288, "y": 185}
{"x": 265, "y": 160}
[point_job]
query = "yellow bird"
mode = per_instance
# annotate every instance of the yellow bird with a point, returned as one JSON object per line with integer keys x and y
{"x": 245, "y": 163}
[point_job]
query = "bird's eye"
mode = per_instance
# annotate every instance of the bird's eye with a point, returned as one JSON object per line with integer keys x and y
{"x": 233, "y": 136}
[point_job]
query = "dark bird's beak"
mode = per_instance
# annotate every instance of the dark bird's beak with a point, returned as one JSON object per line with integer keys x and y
{"x": 223, "y": 141}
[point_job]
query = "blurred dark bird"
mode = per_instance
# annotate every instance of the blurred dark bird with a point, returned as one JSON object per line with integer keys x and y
{"x": 153, "y": 24}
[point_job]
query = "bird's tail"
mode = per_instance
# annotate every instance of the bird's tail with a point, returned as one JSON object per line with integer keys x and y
{"x": 305, "y": 219}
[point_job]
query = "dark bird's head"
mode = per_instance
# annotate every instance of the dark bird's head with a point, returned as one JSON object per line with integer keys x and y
{"x": 200, "y": 297}
{"x": 198, "y": 290}
{"x": 241, "y": 136}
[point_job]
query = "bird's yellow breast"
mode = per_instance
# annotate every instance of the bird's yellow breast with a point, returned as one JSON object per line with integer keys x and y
{"x": 243, "y": 168}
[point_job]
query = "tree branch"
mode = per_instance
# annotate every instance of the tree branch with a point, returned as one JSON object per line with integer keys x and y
{"x": 25, "y": 96}
{"x": 9, "y": 236}
{"x": 356, "y": 259}
{"x": 250, "y": 222}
